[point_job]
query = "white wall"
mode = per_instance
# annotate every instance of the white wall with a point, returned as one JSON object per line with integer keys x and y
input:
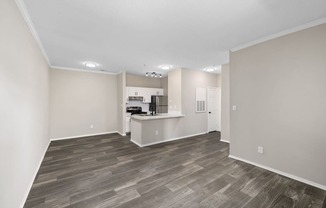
{"x": 24, "y": 107}
{"x": 279, "y": 89}
{"x": 81, "y": 99}
{"x": 225, "y": 103}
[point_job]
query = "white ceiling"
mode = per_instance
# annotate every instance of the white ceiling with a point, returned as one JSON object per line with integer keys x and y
{"x": 126, "y": 34}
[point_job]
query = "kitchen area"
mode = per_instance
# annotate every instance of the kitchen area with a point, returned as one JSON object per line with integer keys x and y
{"x": 146, "y": 103}
{"x": 184, "y": 103}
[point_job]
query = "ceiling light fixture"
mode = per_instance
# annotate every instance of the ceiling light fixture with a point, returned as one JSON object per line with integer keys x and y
{"x": 91, "y": 64}
{"x": 212, "y": 68}
{"x": 153, "y": 74}
{"x": 165, "y": 67}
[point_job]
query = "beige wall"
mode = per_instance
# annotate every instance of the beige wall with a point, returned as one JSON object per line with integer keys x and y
{"x": 165, "y": 85}
{"x": 219, "y": 80}
{"x": 174, "y": 91}
{"x": 142, "y": 81}
{"x": 81, "y": 99}
{"x": 219, "y": 84}
{"x": 191, "y": 79}
{"x": 24, "y": 107}
{"x": 279, "y": 89}
{"x": 121, "y": 102}
{"x": 182, "y": 94}
{"x": 225, "y": 103}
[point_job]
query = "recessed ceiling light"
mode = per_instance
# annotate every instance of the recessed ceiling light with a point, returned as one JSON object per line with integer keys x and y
{"x": 91, "y": 64}
{"x": 165, "y": 67}
{"x": 212, "y": 68}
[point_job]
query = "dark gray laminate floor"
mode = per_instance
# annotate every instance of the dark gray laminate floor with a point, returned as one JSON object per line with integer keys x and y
{"x": 110, "y": 171}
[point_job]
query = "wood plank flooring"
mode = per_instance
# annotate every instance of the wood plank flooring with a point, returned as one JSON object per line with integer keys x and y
{"x": 110, "y": 171}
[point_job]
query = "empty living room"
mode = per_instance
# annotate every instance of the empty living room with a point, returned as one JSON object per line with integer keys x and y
{"x": 162, "y": 104}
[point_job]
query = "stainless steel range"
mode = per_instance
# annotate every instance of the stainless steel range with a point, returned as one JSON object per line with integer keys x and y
{"x": 135, "y": 110}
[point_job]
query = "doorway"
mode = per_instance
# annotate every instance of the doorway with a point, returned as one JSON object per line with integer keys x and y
{"x": 213, "y": 109}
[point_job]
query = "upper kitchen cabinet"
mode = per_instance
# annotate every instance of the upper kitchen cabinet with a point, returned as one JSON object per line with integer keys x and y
{"x": 147, "y": 95}
{"x": 158, "y": 91}
{"x": 134, "y": 91}
{"x": 144, "y": 92}
{"x": 148, "y": 92}
{"x": 137, "y": 94}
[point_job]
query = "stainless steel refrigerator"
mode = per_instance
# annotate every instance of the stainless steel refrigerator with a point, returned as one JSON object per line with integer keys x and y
{"x": 159, "y": 104}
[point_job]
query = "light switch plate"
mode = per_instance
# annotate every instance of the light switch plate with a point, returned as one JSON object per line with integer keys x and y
{"x": 260, "y": 150}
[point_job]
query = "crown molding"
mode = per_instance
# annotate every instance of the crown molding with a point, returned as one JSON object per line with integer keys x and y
{"x": 280, "y": 34}
{"x": 24, "y": 12}
{"x": 82, "y": 70}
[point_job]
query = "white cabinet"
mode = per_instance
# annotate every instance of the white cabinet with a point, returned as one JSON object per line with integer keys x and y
{"x": 144, "y": 92}
{"x": 158, "y": 91}
{"x": 147, "y": 95}
{"x": 148, "y": 92}
{"x": 134, "y": 91}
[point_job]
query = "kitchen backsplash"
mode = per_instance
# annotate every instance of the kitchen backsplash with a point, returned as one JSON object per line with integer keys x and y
{"x": 145, "y": 106}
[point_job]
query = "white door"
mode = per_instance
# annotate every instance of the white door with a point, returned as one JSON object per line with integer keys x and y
{"x": 213, "y": 106}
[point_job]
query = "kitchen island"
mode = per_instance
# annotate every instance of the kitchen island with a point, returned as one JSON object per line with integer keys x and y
{"x": 153, "y": 129}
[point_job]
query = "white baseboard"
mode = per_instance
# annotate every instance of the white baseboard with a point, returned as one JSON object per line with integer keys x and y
{"x": 135, "y": 143}
{"x": 85, "y": 135}
{"x": 281, "y": 173}
{"x": 168, "y": 140}
{"x": 41, "y": 160}
{"x": 222, "y": 140}
{"x": 121, "y": 133}
{"x": 31, "y": 183}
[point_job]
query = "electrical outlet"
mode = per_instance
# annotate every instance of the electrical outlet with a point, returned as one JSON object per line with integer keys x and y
{"x": 260, "y": 150}
{"x": 234, "y": 107}
{"x": 92, "y": 126}
{"x": 156, "y": 132}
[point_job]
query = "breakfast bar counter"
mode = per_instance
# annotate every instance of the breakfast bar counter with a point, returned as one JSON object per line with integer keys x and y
{"x": 145, "y": 117}
{"x": 153, "y": 129}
